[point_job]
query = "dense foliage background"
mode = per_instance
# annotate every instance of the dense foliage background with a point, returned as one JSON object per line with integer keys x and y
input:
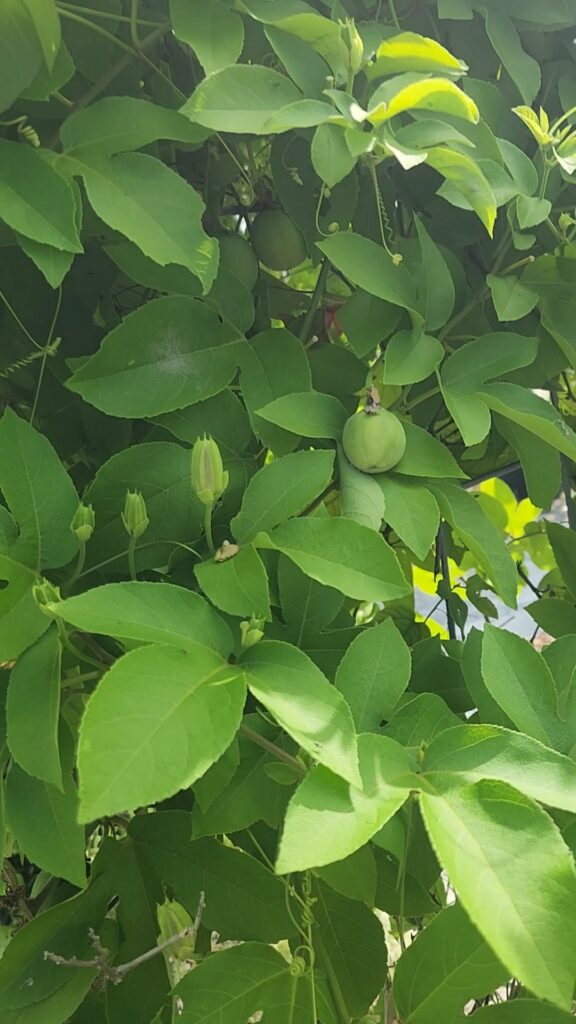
{"x": 257, "y": 761}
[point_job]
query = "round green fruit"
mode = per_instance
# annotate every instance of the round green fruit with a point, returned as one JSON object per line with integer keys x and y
{"x": 374, "y": 441}
{"x": 277, "y": 241}
{"x": 237, "y": 256}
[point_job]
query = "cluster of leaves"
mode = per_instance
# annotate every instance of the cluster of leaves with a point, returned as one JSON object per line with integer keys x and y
{"x": 243, "y": 777}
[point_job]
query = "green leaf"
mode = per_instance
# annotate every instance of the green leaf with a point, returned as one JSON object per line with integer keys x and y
{"x": 411, "y": 356}
{"x": 412, "y": 512}
{"x": 369, "y": 266}
{"x": 152, "y": 613}
{"x": 374, "y": 673}
{"x": 554, "y": 615}
{"x": 419, "y": 720}
{"x": 522, "y": 68}
{"x": 531, "y": 412}
{"x": 117, "y": 124}
{"x": 238, "y": 585}
{"x": 273, "y": 364}
{"x": 342, "y": 554}
{"x": 448, "y": 965}
{"x": 251, "y": 795}
{"x": 308, "y": 414}
{"x": 436, "y": 294}
{"x": 303, "y": 702}
{"x": 241, "y": 98}
{"x": 154, "y": 207}
{"x": 161, "y": 471}
{"x": 306, "y": 605}
{"x": 327, "y": 819}
{"x": 44, "y": 819}
{"x": 532, "y": 211}
{"x": 173, "y": 279}
{"x": 155, "y": 723}
{"x": 21, "y": 620}
{"x": 557, "y": 320}
{"x": 215, "y": 33}
{"x": 33, "y": 707}
{"x": 354, "y": 877}
{"x": 563, "y": 542}
{"x": 281, "y": 489}
{"x": 511, "y": 299}
{"x": 540, "y": 463}
{"x": 301, "y": 20}
{"x": 244, "y": 900}
{"x": 524, "y": 906}
{"x": 488, "y": 709}
{"x": 153, "y": 362}
{"x": 466, "y": 371}
{"x": 238, "y": 982}
{"x": 39, "y": 493}
{"x": 223, "y": 417}
{"x": 479, "y": 535}
{"x": 47, "y": 27}
{"x": 366, "y": 321}
{"x": 35, "y": 200}
{"x": 520, "y": 682}
{"x": 469, "y": 753}
{"x": 20, "y": 52}
{"x": 467, "y": 178}
{"x": 417, "y": 92}
{"x": 351, "y": 939}
{"x": 361, "y": 499}
{"x": 63, "y": 928}
{"x": 409, "y": 51}
{"x": 426, "y": 456}
{"x": 522, "y": 1011}
{"x": 330, "y": 154}
{"x": 54, "y": 264}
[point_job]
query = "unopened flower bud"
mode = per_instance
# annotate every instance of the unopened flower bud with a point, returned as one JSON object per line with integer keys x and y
{"x": 47, "y": 596}
{"x": 83, "y": 523}
{"x": 135, "y": 516}
{"x": 252, "y": 631}
{"x": 351, "y": 37}
{"x": 173, "y": 919}
{"x": 209, "y": 478}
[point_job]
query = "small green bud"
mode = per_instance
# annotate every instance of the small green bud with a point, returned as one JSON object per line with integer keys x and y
{"x": 209, "y": 478}
{"x": 173, "y": 918}
{"x": 353, "y": 42}
{"x": 135, "y": 516}
{"x": 46, "y": 596}
{"x": 252, "y": 631}
{"x": 83, "y": 523}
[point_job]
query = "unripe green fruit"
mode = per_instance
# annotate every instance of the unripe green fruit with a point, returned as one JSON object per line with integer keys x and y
{"x": 374, "y": 441}
{"x": 277, "y": 241}
{"x": 237, "y": 256}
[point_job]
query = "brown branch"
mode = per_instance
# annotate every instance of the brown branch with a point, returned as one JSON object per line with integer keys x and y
{"x": 116, "y": 972}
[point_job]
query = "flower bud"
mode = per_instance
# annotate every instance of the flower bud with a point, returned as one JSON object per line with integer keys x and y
{"x": 83, "y": 523}
{"x": 351, "y": 37}
{"x": 252, "y": 631}
{"x": 135, "y": 516}
{"x": 209, "y": 478}
{"x": 47, "y": 596}
{"x": 173, "y": 918}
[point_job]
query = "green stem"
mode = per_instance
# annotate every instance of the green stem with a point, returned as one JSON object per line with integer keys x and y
{"x": 445, "y": 570}
{"x": 99, "y": 31}
{"x": 340, "y": 1007}
{"x": 402, "y": 877}
{"x": 67, "y": 643}
{"x": 208, "y": 528}
{"x": 422, "y": 398}
{"x": 45, "y": 356}
{"x": 24, "y": 329}
{"x": 393, "y": 14}
{"x": 315, "y": 301}
{"x": 132, "y": 558}
{"x": 104, "y": 15}
{"x": 150, "y": 544}
{"x": 272, "y": 748}
{"x": 77, "y": 568}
